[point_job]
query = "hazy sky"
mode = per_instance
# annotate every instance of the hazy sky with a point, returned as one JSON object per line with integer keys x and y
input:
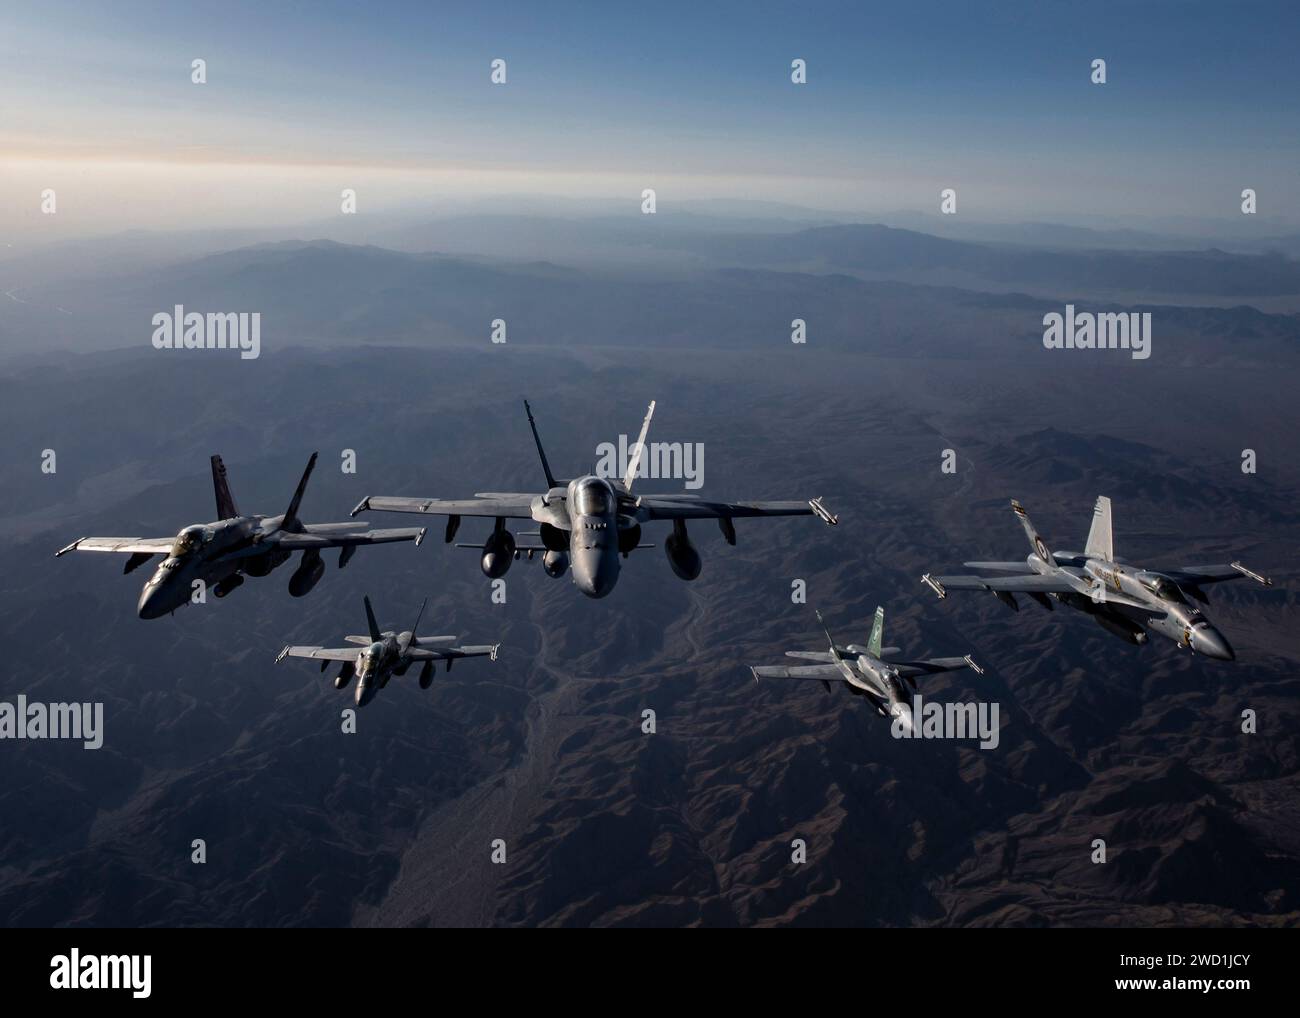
{"x": 603, "y": 99}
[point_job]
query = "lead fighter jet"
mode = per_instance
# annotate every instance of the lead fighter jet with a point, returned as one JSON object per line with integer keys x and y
{"x": 590, "y": 521}
{"x": 868, "y": 671}
{"x": 1125, "y": 599}
{"x": 381, "y": 655}
{"x": 222, "y": 553}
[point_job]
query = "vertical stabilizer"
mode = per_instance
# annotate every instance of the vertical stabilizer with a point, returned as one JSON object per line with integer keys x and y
{"x": 225, "y": 502}
{"x": 829, "y": 639}
{"x": 375, "y": 634}
{"x": 417, "y": 619}
{"x": 877, "y": 633}
{"x": 1101, "y": 538}
{"x": 1035, "y": 541}
{"x": 634, "y": 464}
{"x": 291, "y": 521}
{"x": 546, "y": 467}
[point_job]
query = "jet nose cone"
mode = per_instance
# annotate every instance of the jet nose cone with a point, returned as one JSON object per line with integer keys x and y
{"x": 1209, "y": 641}
{"x": 365, "y": 692}
{"x": 596, "y": 586}
{"x": 150, "y": 605}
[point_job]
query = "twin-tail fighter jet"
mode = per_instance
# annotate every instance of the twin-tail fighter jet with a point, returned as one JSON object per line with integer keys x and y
{"x": 871, "y": 671}
{"x": 590, "y": 522}
{"x": 1125, "y": 599}
{"x": 378, "y": 656}
{"x": 220, "y": 554}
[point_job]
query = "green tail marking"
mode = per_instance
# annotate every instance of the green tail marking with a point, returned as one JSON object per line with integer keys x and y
{"x": 877, "y": 633}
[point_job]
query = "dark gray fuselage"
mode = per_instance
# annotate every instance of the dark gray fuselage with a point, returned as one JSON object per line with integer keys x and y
{"x": 217, "y": 554}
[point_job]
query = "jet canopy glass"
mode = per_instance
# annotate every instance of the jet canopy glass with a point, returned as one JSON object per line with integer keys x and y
{"x": 593, "y": 499}
{"x": 189, "y": 539}
{"x": 1164, "y": 589}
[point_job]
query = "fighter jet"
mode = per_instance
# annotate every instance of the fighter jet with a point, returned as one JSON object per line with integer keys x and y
{"x": 1125, "y": 599}
{"x": 869, "y": 671}
{"x": 223, "y": 552}
{"x": 590, "y": 521}
{"x": 381, "y": 655}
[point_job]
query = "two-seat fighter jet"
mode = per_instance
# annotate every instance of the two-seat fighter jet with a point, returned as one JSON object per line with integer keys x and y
{"x": 869, "y": 671}
{"x": 590, "y": 521}
{"x": 222, "y": 553}
{"x": 1125, "y": 599}
{"x": 381, "y": 655}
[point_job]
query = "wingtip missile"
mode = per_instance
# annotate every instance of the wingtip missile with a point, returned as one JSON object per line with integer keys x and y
{"x": 67, "y": 548}
{"x": 973, "y": 666}
{"x": 282, "y": 655}
{"x": 822, "y": 513}
{"x": 361, "y": 507}
{"x": 934, "y": 585}
{"x": 1264, "y": 580}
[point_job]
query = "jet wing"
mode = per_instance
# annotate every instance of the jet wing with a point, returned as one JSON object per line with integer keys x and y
{"x": 932, "y": 666}
{"x": 1034, "y": 584}
{"x": 505, "y": 505}
{"x": 682, "y": 507}
{"x": 811, "y": 655}
{"x": 444, "y": 653}
{"x": 825, "y": 671}
{"x": 337, "y": 539}
{"x": 1078, "y": 558}
{"x": 1198, "y": 575}
{"x": 321, "y": 653}
{"x": 133, "y": 545}
{"x": 1037, "y": 584}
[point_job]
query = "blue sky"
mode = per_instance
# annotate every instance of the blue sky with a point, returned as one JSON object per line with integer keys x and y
{"x": 990, "y": 98}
